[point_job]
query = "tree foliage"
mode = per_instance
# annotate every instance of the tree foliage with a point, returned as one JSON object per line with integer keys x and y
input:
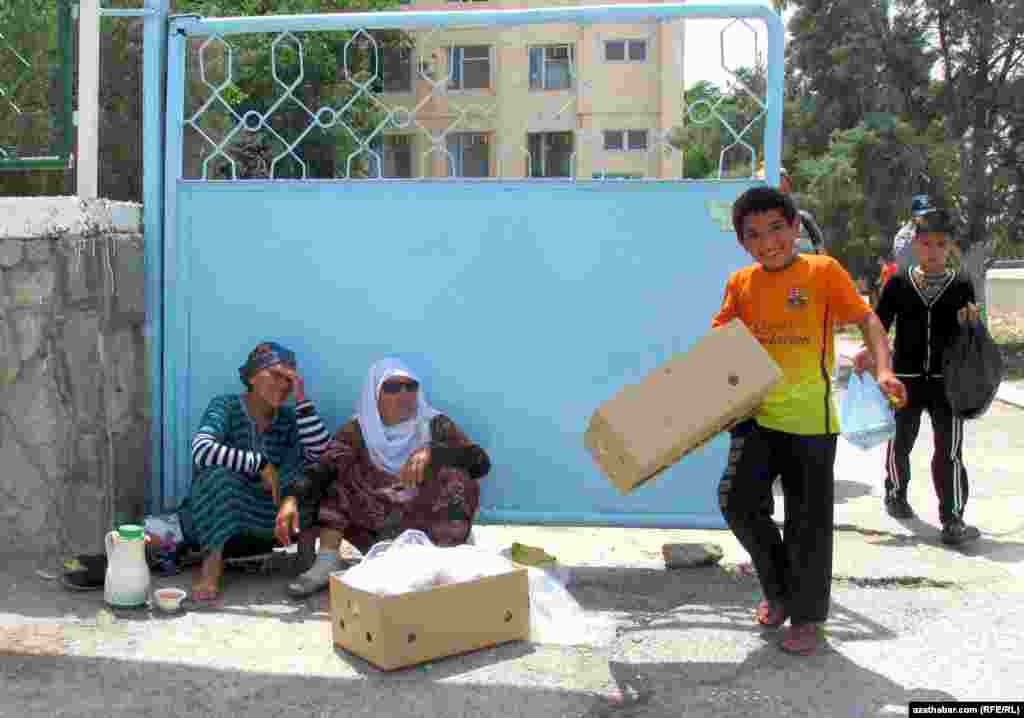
{"x": 31, "y": 92}
{"x": 327, "y": 75}
{"x": 889, "y": 97}
{"x": 723, "y": 125}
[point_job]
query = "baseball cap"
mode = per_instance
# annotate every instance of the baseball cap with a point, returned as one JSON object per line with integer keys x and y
{"x": 937, "y": 220}
{"x": 921, "y": 204}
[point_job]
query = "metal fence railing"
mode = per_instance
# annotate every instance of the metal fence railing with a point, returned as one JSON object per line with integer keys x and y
{"x": 36, "y": 84}
{"x": 587, "y": 101}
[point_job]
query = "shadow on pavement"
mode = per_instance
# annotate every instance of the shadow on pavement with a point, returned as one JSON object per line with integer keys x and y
{"x": 925, "y": 534}
{"x": 442, "y": 668}
{"x": 244, "y": 594}
{"x": 1002, "y": 551}
{"x": 846, "y": 490}
{"x": 766, "y": 683}
{"x": 711, "y": 597}
{"x": 686, "y": 644}
{"x": 105, "y": 688}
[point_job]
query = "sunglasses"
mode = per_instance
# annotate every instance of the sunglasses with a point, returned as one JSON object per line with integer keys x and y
{"x": 393, "y": 387}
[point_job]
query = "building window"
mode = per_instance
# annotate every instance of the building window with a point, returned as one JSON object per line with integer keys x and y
{"x": 470, "y": 154}
{"x": 613, "y": 140}
{"x": 619, "y": 140}
{"x": 395, "y": 152}
{"x": 551, "y": 67}
{"x": 636, "y": 139}
{"x": 550, "y": 154}
{"x": 395, "y": 70}
{"x": 469, "y": 67}
{"x": 625, "y": 50}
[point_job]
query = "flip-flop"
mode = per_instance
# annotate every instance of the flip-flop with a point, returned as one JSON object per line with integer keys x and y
{"x": 78, "y": 580}
{"x": 69, "y": 585}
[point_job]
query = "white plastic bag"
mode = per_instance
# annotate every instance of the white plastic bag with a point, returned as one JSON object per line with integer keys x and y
{"x": 555, "y": 616}
{"x": 410, "y": 537}
{"x": 413, "y": 563}
{"x": 165, "y": 527}
{"x": 867, "y": 417}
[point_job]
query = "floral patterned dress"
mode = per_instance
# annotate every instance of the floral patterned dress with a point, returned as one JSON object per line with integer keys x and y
{"x": 348, "y": 493}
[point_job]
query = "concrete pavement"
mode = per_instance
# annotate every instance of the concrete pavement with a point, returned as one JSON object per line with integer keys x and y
{"x": 1012, "y": 392}
{"x": 912, "y": 620}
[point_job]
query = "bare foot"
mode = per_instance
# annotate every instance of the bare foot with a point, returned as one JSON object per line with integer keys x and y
{"x": 207, "y": 583}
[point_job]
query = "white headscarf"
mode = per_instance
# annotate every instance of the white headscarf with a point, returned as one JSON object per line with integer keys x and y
{"x": 391, "y": 446}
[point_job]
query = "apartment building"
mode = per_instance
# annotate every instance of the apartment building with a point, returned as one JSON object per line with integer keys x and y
{"x": 532, "y": 101}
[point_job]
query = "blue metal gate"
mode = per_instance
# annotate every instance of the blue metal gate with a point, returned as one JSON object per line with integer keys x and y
{"x": 524, "y": 298}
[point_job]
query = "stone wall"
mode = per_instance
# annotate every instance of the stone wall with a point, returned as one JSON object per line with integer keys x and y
{"x": 74, "y": 409}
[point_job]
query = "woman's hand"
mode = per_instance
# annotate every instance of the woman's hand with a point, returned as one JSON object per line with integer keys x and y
{"x": 271, "y": 482}
{"x": 298, "y": 386}
{"x": 287, "y": 521}
{"x": 414, "y": 470}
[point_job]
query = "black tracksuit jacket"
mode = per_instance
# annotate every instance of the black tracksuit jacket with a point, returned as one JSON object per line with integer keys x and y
{"x": 923, "y": 329}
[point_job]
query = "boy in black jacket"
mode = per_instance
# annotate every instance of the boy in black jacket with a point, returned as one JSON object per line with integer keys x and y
{"x": 927, "y": 302}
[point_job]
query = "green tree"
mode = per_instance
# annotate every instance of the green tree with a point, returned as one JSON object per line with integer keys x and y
{"x": 290, "y": 135}
{"x": 700, "y": 138}
{"x": 31, "y": 94}
{"x": 709, "y": 147}
{"x": 981, "y": 45}
{"x": 904, "y": 88}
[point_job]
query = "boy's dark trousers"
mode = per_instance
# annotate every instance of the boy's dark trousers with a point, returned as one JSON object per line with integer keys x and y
{"x": 948, "y": 472}
{"x": 795, "y": 568}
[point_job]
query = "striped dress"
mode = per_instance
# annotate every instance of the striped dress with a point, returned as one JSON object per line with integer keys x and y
{"x": 227, "y": 497}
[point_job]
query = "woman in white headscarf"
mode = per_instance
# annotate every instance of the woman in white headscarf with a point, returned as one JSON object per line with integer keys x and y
{"x": 397, "y": 464}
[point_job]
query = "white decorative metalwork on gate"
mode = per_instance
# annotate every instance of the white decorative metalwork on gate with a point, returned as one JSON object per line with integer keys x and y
{"x": 466, "y": 100}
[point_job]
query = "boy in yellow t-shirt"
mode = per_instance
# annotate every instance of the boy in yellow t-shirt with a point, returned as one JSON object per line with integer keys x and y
{"x": 791, "y": 302}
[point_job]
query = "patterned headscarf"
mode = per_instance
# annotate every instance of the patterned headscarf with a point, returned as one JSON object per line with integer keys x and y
{"x": 264, "y": 355}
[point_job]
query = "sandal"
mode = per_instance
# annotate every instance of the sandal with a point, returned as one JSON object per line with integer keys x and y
{"x": 803, "y": 639}
{"x": 317, "y": 577}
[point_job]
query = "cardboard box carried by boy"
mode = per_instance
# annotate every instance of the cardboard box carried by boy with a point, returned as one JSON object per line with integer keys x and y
{"x": 680, "y": 406}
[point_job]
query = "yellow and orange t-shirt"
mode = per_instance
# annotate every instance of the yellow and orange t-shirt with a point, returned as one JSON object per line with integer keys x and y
{"x": 792, "y": 313}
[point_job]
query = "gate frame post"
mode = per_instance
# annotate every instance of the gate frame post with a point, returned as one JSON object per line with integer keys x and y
{"x": 174, "y": 368}
{"x": 154, "y": 66}
{"x": 87, "y": 117}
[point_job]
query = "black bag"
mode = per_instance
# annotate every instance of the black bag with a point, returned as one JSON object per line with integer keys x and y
{"x": 972, "y": 369}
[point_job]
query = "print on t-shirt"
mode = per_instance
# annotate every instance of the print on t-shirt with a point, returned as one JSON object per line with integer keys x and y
{"x": 792, "y": 312}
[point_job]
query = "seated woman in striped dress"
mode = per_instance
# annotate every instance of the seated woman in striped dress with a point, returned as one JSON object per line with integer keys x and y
{"x": 398, "y": 464}
{"x": 248, "y": 450}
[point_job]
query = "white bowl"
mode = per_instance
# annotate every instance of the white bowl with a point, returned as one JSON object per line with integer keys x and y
{"x": 169, "y": 599}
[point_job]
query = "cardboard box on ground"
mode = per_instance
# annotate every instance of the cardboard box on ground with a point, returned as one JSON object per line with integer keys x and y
{"x": 409, "y": 628}
{"x": 680, "y": 406}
